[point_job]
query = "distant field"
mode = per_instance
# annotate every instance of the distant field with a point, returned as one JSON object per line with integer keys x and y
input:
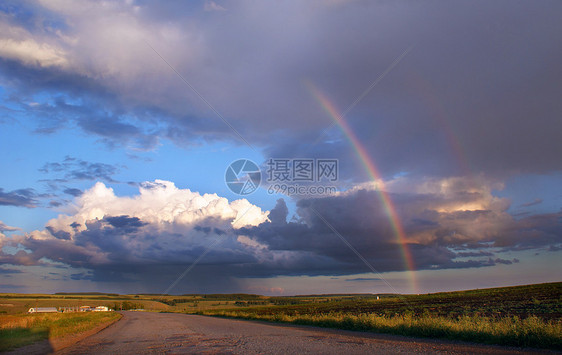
{"x": 543, "y": 301}
{"x": 13, "y": 303}
{"x": 520, "y": 316}
{"x": 16, "y": 304}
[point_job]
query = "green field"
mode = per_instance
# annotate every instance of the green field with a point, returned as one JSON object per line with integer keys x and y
{"x": 527, "y": 316}
{"x": 12, "y": 303}
{"x": 543, "y": 301}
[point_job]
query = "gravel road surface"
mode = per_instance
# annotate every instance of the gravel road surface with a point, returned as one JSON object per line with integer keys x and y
{"x": 167, "y": 333}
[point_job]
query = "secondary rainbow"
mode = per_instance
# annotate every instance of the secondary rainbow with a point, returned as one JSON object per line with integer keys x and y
{"x": 374, "y": 174}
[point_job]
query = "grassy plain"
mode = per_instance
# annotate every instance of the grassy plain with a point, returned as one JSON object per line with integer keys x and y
{"x": 13, "y": 303}
{"x": 22, "y": 329}
{"x": 527, "y": 316}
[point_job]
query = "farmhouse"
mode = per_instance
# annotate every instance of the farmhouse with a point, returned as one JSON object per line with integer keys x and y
{"x": 69, "y": 309}
{"x": 42, "y": 310}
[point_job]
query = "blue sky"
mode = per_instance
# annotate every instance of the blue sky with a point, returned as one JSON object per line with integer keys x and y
{"x": 118, "y": 121}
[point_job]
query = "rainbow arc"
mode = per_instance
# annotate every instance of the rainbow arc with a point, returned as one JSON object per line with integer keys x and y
{"x": 371, "y": 169}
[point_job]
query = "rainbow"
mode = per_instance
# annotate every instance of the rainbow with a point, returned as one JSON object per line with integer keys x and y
{"x": 374, "y": 174}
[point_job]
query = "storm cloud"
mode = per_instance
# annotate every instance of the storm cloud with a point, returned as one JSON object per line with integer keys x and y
{"x": 478, "y": 90}
{"x": 169, "y": 228}
{"x": 19, "y": 198}
{"x": 76, "y": 169}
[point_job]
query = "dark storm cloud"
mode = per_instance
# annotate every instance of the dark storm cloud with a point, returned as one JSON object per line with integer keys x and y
{"x": 362, "y": 279}
{"x": 110, "y": 235}
{"x": 278, "y": 215}
{"x": 5, "y": 228}
{"x": 537, "y": 201}
{"x": 58, "y": 234}
{"x": 76, "y": 100}
{"x": 82, "y": 276}
{"x": 207, "y": 230}
{"x": 73, "y": 192}
{"x": 76, "y": 169}
{"x": 472, "y": 254}
{"x": 19, "y": 198}
{"x": 9, "y": 271}
{"x": 505, "y": 262}
{"x": 361, "y": 220}
{"x": 125, "y": 222}
{"x": 479, "y": 90}
{"x": 113, "y": 131}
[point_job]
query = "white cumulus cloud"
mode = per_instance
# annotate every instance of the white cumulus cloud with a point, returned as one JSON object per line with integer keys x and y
{"x": 160, "y": 204}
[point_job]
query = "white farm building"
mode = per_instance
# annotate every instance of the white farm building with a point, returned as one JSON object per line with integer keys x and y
{"x": 42, "y": 310}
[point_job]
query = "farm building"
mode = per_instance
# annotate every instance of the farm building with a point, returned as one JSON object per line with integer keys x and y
{"x": 42, "y": 310}
{"x": 101, "y": 309}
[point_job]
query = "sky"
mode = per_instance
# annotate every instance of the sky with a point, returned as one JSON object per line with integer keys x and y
{"x": 279, "y": 148}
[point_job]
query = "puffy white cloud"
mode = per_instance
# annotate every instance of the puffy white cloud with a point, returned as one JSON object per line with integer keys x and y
{"x": 36, "y": 50}
{"x": 31, "y": 52}
{"x": 160, "y": 204}
{"x": 161, "y": 224}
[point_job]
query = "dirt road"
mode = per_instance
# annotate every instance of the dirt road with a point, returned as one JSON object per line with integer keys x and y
{"x": 144, "y": 332}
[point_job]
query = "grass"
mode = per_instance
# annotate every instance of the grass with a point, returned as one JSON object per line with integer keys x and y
{"x": 524, "y": 316}
{"x": 24, "y": 329}
{"x": 512, "y": 331}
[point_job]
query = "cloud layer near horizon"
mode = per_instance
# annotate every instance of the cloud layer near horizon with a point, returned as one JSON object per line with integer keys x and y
{"x": 152, "y": 237}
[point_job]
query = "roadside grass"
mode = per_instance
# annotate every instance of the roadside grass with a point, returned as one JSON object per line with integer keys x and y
{"x": 24, "y": 329}
{"x": 509, "y": 331}
{"x": 523, "y": 316}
